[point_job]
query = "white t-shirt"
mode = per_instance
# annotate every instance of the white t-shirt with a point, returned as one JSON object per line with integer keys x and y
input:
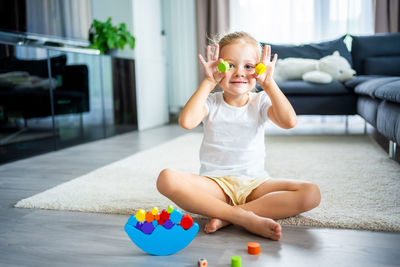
{"x": 233, "y": 142}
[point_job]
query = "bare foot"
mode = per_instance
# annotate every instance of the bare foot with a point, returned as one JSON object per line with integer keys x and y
{"x": 264, "y": 227}
{"x": 214, "y": 224}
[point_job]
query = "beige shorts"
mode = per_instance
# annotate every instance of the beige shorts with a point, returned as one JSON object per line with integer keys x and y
{"x": 238, "y": 188}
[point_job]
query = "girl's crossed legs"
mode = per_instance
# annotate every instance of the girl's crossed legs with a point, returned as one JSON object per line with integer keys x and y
{"x": 274, "y": 199}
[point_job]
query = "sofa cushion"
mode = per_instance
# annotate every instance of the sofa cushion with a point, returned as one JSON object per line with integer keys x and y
{"x": 299, "y": 87}
{"x": 367, "y": 108}
{"x": 389, "y": 91}
{"x": 382, "y": 66}
{"x": 351, "y": 84}
{"x": 378, "y": 45}
{"x": 369, "y": 87}
{"x": 312, "y": 50}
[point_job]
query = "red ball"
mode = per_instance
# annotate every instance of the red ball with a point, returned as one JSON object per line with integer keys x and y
{"x": 186, "y": 222}
{"x": 164, "y": 215}
{"x": 160, "y": 222}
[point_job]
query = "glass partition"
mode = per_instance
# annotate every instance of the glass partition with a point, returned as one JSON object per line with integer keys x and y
{"x": 55, "y": 98}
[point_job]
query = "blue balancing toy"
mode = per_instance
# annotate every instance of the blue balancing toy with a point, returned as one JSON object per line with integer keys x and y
{"x": 162, "y": 233}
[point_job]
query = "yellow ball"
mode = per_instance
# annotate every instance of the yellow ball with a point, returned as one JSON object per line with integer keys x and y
{"x": 154, "y": 211}
{"x": 260, "y": 68}
{"x": 140, "y": 215}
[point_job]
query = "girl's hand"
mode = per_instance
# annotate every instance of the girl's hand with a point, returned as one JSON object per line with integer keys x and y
{"x": 265, "y": 78}
{"x": 211, "y": 65}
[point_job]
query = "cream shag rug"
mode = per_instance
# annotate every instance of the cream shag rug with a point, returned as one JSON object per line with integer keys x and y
{"x": 360, "y": 186}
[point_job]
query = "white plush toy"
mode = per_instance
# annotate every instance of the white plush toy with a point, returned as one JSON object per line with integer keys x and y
{"x": 332, "y": 67}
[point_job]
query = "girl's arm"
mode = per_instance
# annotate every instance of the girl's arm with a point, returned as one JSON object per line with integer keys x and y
{"x": 281, "y": 112}
{"x": 195, "y": 110}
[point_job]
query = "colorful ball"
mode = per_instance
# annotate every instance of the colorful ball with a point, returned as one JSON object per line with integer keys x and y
{"x": 202, "y": 262}
{"x": 140, "y": 215}
{"x": 186, "y": 222}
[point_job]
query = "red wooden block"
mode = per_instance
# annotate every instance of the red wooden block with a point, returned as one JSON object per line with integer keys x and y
{"x": 186, "y": 222}
{"x": 160, "y": 222}
{"x": 164, "y": 215}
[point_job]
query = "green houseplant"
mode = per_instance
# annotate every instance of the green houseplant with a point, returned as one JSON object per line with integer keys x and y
{"x": 106, "y": 37}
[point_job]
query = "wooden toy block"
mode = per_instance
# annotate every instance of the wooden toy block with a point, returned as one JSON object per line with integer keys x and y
{"x": 223, "y": 66}
{"x": 147, "y": 228}
{"x": 236, "y": 261}
{"x": 202, "y": 262}
{"x": 186, "y": 222}
{"x": 140, "y": 215}
{"x": 154, "y": 211}
{"x": 168, "y": 224}
{"x": 260, "y": 68}
{"x": 164, "y": 215}
{"x": 139, "y": 225}
{"x": 253, "y": 248}
{"x": 176, "y": 216}
{"x": 170, "y": 209}
{"x": 149, "y": 217}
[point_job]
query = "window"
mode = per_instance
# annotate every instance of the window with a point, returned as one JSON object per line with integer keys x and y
{"x": 301, "y": 21}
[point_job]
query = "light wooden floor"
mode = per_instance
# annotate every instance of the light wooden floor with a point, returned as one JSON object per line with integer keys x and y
{"x": 57, "y": 238}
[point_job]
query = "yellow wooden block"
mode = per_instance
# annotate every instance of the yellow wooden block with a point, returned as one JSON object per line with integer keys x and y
{"x": 154, "y": 211}
{"x": 140, "y": 215}
{"x": 260, "y": 68}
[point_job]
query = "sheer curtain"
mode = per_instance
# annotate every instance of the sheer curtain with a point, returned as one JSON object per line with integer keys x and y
{"x": 301, "y": 21}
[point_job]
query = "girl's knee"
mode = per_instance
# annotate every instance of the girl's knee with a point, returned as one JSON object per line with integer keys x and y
{"x": 311, "y": 196}
{"x": 165, "y": 181}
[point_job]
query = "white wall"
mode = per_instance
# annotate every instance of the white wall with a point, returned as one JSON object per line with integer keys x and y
{"x": 143, "y": 20}
{"x": 180, "y": 27}
{"x": 150, "y": 63}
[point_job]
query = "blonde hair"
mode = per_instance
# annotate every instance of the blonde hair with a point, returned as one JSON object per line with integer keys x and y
{"x": 234, "y": 37}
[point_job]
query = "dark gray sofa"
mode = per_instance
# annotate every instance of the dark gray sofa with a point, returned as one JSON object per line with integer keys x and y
{"x": 374, "y": 93}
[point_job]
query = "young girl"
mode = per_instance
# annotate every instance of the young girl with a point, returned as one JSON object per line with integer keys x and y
{"x": 233, "y": 186}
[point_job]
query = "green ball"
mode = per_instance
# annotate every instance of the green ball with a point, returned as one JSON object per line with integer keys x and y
{"x": 223, "y": 66}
